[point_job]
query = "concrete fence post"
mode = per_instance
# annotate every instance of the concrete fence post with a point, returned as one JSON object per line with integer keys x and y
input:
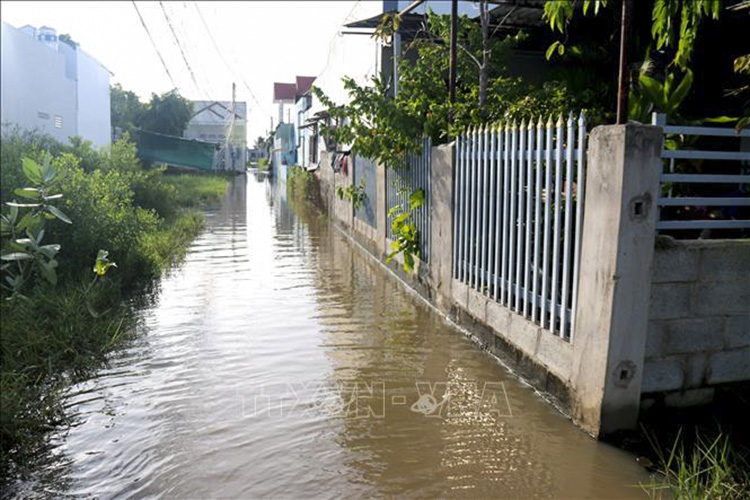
{"x": 381, "y": 210}
{"x": 617, "y": 247}
{"x": 441, "y": 246}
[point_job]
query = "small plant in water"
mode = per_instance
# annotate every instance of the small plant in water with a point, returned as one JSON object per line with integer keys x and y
{"x": 407, "y": 236}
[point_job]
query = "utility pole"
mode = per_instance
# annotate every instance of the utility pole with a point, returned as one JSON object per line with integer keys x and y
{"x": 228, "y": 161}
{"x": 624, "y": 73}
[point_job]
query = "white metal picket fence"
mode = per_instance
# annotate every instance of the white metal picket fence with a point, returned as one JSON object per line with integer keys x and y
{"x": 401, "y": 183}
{"x": 700, "y": 200}
{"x": 518, "y": 215}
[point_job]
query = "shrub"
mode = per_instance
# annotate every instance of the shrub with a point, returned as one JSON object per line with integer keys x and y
{"x": 101, "y": 205}
{"x": 17, "y": 143}
{"x": 152, "y": 192}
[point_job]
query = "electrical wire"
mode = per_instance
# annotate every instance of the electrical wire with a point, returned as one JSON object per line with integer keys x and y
{"x": 186, "y": 31}
{"x": 333, "y": 38}
{"x": 182, "y": 52}
{"x": 153, "y": 43}
{"x": 221, "y": 56}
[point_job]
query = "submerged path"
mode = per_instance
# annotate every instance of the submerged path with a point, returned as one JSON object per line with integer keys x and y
{"x": 279, "y": 361}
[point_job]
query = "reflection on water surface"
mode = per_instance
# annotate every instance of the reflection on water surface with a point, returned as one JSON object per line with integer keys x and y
{"x": 279, "y": 361}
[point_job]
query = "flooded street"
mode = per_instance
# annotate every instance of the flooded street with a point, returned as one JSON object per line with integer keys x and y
{"x": 279, "y": 361}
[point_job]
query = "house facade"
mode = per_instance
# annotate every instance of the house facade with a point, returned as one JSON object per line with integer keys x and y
{"x": 53, "y": 86}
{"x": 213, "y": 121}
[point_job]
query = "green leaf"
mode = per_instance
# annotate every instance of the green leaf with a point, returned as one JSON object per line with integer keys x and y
{"x": 416, "y": 199}
{"x": 16, "y": 256}
{"x": 59, "y": 214}
{"x": 28, "y": 222}
{"x": 668, "y": 82}
{"x": 551, "y": 49}
{"x": 31, "y": 170}
{"x": 654, "y": 91}
{"x": 48, "y": 271}
{"x": 48, "y": 171}
{"x": 721, "y": 119}
{"x": 742, "y": 123}
{"x": 680, "y": 92}
{"x": 32, "y": 193}
{"x": 22, "y": 205}
{"x": 49, "y": 251}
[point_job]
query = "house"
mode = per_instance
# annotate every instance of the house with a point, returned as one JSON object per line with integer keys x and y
{"x": 213, "y": 121}
{"x": 284, "y": 151}
{"x": 52, "y": 85}
{"x": 306, "y": 132}
{"x": 298, "y": 141}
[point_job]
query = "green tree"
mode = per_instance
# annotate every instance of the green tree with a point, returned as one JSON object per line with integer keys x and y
{"x": 674, "y": 23}
{"x": 126, "y": 108}
{"x": 168, "y": 113}
{"x": 385, "y": 128}
{"x": 671, "y": 32}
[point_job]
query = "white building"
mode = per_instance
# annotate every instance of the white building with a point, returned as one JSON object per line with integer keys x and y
{"x": 212, "y": 122}
{"x": 53, "y": 86}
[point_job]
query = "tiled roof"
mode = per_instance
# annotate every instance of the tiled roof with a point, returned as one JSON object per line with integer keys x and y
{"x": 290, "y": 91}
{"x": 284, "y": 91}
{"x": 304, "y": 83}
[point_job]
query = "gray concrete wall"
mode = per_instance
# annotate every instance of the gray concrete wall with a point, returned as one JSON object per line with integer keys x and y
{"x": 699, "y": 318}
{"x": 624, "y": 338}
{"x": 365, "y": 174}
{"x": 622, "y": 186}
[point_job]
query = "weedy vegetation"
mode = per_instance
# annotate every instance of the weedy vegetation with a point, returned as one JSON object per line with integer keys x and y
{"x": 82, "y": 231}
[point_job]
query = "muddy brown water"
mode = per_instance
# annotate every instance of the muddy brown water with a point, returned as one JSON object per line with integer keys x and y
{"x": 279, "y": 361}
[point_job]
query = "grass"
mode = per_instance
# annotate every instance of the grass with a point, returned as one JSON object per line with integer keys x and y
{"x": 195, "y": 190}
{"x": 168, "y": 245}
{"x": 47, "y": 340}
{"x": 263, "y": 164}
{"x": 703, "y": 469}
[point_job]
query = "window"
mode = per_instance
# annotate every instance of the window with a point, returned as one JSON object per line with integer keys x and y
{"x": 42, "y": 115}
{"x": 58, "y": 121}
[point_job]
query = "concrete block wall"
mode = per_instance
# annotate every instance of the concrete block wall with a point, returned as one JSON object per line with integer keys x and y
{"x": 699, "y": 317}
{"x": 626, "y": 342}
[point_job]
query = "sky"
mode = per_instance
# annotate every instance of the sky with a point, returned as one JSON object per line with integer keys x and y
{"x": 258, "y": 43}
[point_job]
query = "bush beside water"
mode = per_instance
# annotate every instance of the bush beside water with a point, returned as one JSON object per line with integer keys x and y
{"x": 56, "y": 334}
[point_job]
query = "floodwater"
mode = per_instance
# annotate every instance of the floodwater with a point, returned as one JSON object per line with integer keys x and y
{"x": 279, "y": 361}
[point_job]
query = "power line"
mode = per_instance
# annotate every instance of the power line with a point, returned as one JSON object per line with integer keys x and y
{"x": 221, "y": 56}
{"x": 194, "y": 52}
{"x": 153, "y": 43}
{"x": 333, "y": 38}
{"x": 179, "y": 46}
